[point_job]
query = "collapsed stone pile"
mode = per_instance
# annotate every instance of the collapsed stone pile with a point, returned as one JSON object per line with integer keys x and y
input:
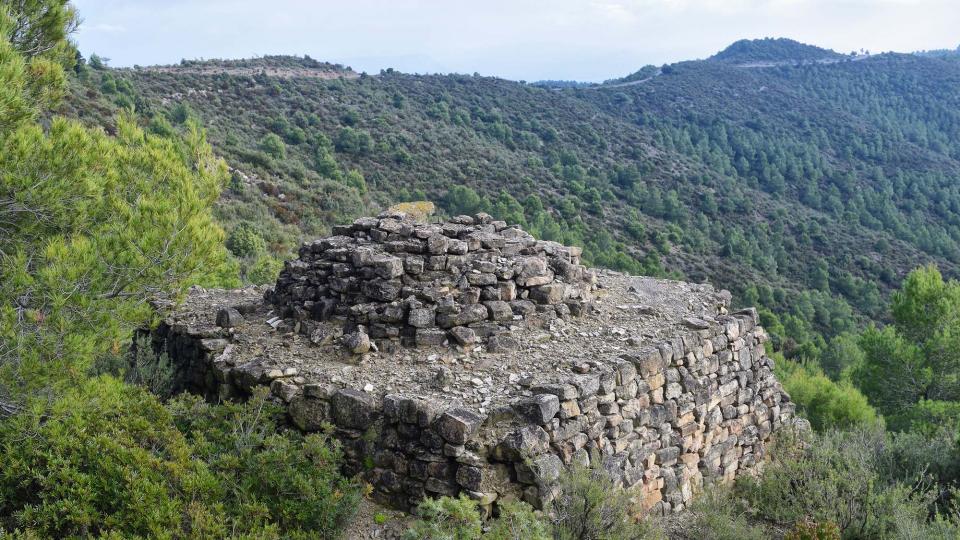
{"x": 464, "y": 281}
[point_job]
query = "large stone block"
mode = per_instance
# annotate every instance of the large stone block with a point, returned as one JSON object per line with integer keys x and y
{"x": 522, "y": 443}
{"x": 467, "y": 314}
{"x": 354, "y": 409}
{"x": 458, "y": 425}
{"x": 539, "y": 409}
{"x": 551, "y": 293}
{"x": 309, "y": 414}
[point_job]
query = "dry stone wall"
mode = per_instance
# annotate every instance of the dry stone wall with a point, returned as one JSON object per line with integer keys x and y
{"x": 397, "y": 281}
{"x": 660, "y": 420}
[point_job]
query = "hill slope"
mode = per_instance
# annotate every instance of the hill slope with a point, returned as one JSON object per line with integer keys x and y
{"x": 811, "y": 189}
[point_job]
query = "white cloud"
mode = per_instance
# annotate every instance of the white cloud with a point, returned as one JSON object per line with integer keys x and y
{"x": 520, "y": 39}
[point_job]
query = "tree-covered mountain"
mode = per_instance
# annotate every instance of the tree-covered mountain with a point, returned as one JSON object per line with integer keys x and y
{"x": 774, "y": 50}
{"x": 808, "y": 188}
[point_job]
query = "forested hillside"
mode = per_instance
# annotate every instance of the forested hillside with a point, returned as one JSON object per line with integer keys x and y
{"x": 810, "y": 189}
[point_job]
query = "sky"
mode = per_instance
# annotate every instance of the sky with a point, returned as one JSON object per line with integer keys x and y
{"x": 586, "y": 40}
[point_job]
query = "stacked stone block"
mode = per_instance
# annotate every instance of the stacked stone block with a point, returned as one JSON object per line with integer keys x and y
{"x": 660, "y": 420}
{"x": 418, "y": 284}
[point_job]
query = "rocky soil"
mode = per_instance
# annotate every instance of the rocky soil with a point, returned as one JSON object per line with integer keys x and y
{"x": 629, "y": 312}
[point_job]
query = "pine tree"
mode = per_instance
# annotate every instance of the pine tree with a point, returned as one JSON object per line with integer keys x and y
{"x": 92, "y": 227}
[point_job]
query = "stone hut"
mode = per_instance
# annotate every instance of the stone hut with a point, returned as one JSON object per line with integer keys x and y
{"x": 468, "y": 357}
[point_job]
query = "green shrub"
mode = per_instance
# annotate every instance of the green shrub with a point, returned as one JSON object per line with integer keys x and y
{"x": 353, "y": 141}
{"x": 273, "y": 146}
{"x": 146, "y": 368}
{"x": 835, "y": 478}
{"x": 589, "y": 506}
{"x": 808, "y": 530}
{"x": 245, "y": 241}
{"x": 517, "y": 521}
{"x": 716, "y": 514}
{"x": 264, "y": 270}
{"x": 447, "y": 518}
{"x": 269, "y": 479}
{"x": 927, "y": 417}
{"x": 355, "y": 180}
{"x": 105, "y": 457}
{"x": 827, "y": 404}
{"x": 108, "y": 459}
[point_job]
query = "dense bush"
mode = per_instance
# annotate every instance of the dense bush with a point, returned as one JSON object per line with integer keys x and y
{"x": 827, "y": 404}
{"x": 718, "y": 514}
{"x": 107, "y": 458}
{"x": 449, "y": 518}
{"x": 270, "y": 479}
{"x": 264, "y": 270}
{"x": 245, "y": 240}
{"x": 273, "y": 146}
{"x": 103, "y": 458}
{"x": 841, "y": 478}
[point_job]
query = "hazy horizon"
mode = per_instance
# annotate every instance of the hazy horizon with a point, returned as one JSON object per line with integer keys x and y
{"x": 528, "y": 40}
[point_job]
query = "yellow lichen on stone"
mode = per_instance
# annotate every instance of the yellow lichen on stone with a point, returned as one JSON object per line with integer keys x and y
{"x": 418, "y": 210}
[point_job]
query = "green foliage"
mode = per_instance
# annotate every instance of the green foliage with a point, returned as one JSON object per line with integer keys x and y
{"x": 718, "y": 514}
{"x": 355, "y": 180}
{"x": 927, "y": 417}
{"x": 245, "y": 240}
{"x": 919, "y": 356}
{"x": 926, "y": 305}
{"x": 144, "y": 367}
{"x": 772, "y": 50}
{"x": 517, "y": 520}
{"x": 270, "y": 479}
{"x": 273, "y": 146}
{"x": 30, "y": 83}
{"x": 827, "y": 404}
{"x": 181, "y": 112}
{"x": 588, "y": 506}
{"x": 94, "y": 226}
{"x": 837, "y": 477}
{"x": 264, "y": 270}
{"x": 841, "y": 355}
{"x": 447, "y": 518}
{"x": 353, "y": 141}
{"x": 106, "y": 458}
{"x": 96, "y": 62}
{"x": 464, "y": 200}
{"x": 806, "y": 530}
